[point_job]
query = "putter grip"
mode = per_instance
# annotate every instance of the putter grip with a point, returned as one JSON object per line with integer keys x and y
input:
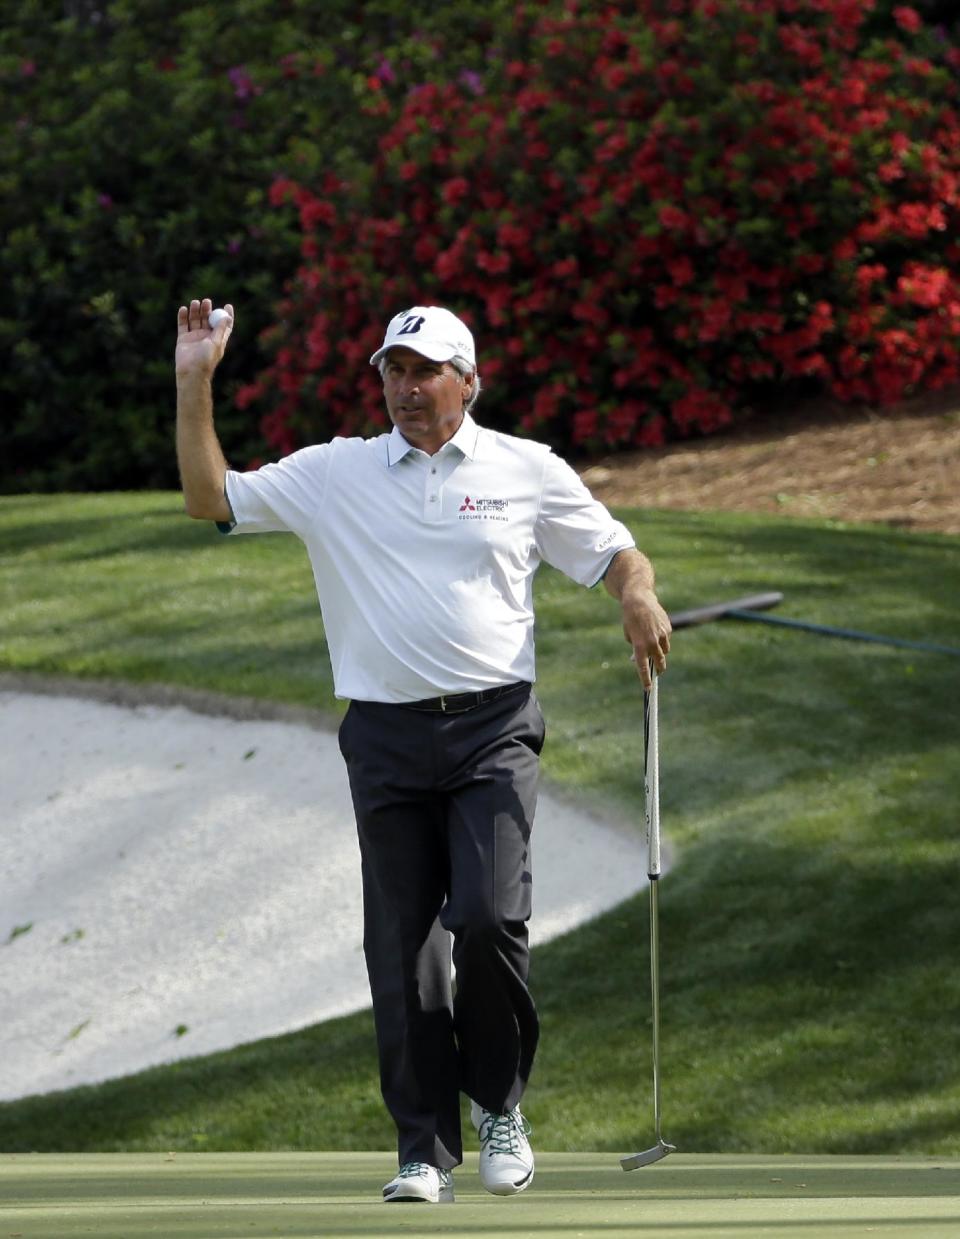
{"x": 651, "y": 779}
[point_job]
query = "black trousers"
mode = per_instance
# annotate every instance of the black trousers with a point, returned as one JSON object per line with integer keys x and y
{"x": 444, "y": 806}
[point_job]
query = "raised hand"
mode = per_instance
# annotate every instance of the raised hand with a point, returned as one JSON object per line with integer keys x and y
{"x": 200, "y": 349}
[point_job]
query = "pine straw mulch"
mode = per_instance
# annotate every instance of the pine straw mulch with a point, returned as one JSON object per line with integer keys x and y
{"x": 899, "y": 466}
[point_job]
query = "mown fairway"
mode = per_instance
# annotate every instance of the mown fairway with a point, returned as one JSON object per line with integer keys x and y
{"x": 809, "y": 785}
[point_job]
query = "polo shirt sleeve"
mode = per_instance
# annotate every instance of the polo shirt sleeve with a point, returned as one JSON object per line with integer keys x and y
{"x": 281, "y": 497}
{"x": 575, "y": 532}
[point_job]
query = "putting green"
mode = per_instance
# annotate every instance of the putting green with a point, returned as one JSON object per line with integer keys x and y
{"x": 248, "y": 1195}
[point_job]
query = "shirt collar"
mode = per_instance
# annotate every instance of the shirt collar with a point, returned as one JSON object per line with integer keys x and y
{"x": 397, "y": 447}
{"x": 468, "y": 432}
{"x": 465, "y": 440}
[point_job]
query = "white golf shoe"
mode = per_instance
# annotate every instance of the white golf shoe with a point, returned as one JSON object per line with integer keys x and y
{"x": 506, "y": 1159}
{"x": 420, "y": 1183}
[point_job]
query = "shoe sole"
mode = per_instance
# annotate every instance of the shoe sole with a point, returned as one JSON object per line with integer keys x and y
{"x": 510, "y": 1189}
{"x": 396, "y": 1198}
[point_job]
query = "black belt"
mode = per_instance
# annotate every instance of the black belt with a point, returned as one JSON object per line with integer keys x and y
{"x": 457, "y": 703}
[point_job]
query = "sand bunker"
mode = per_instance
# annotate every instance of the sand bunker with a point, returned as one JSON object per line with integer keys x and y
{"x": 175, "y": 883}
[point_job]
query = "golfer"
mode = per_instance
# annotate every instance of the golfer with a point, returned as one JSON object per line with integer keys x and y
{"x": 424, "y": 543}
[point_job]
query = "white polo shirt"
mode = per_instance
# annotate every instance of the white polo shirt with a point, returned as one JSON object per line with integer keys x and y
{"x": 424, "y": 564}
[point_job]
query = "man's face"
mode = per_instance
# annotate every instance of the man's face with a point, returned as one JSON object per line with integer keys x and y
{"x": 424, "y": 398}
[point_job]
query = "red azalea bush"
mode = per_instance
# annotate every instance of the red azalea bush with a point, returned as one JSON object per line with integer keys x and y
{"x": 649, "y": 211}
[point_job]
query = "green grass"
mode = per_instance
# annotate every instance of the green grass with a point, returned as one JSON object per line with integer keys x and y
{"x": 210, "y": 1196}
{"x": 809, "y": 794}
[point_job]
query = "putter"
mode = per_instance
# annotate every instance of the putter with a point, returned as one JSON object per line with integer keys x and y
{"x": 651, "y": 793}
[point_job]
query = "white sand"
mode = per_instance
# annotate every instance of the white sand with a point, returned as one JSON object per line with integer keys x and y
{"x": 201, "y": 874}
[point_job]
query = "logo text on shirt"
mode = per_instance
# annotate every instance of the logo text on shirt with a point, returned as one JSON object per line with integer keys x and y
{"x": 484, "y": 509}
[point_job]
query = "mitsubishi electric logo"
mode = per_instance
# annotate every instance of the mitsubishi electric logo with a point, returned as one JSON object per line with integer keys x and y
{"x": 484, "y": 509}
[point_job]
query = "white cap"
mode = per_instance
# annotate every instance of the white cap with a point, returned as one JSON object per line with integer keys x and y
{"x": 431, "y": 331}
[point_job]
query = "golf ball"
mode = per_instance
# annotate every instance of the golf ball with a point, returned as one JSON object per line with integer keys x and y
{"x": 216, "y": 318}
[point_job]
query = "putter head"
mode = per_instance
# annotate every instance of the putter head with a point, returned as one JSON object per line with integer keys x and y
{"x": 659, "y": 1151}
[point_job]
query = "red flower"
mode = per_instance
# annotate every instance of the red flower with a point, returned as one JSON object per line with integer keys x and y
{"x": 247, "y": 394}
{"x": 455, "y": 190}
{"x": 811, "y": 264}
{"x": 869, "y": 274}
{"x": 845, "y": 249}
{"x": 672, "y": 218}
{"x": 281, "y": 190}
{"x": 585, "y": 423}
{"x": 494, "y": 264}
{"x": 425, "y": 249}
{"x": 802, "y": 44}
{"x": 314, "y": 211}
{"x": 448, "y": 264}
{"x": 908, "y": 19}
{"x": 651, "y": 432}
{"x": 924, "y": 286}
{"x": 513, "y": 236}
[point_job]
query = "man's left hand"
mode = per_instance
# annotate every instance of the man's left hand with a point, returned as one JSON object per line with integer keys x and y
{"x": 646, "y": 626}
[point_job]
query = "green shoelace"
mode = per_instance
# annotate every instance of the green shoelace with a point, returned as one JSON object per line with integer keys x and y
{"x": 418, "y": 1170}
{"x": 504, "y": 1133}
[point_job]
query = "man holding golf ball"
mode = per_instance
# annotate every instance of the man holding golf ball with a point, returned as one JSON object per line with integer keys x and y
{"x": 424, "y": 543}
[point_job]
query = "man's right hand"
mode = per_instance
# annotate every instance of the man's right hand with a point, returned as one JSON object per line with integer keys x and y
{"x": 199, "y": 349}
{"x": 202, "y": 465}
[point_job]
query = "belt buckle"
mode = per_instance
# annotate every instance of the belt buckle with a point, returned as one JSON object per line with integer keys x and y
{"x": 443, "y": 704}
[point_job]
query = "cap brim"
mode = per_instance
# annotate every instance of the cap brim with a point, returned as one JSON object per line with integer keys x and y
{"x": 434, "y": 352}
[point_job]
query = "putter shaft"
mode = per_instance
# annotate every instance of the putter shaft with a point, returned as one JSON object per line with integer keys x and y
{"x": 652, "y": 809}
{"x": 661, "y": 1149}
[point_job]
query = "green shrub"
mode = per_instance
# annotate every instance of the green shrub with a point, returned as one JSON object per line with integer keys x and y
{"x": 137, "y": 144}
